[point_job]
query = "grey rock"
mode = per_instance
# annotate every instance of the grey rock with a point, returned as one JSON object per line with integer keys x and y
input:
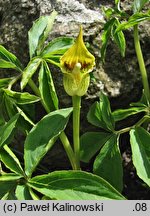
{"x": 117, "y": 78}
{"x": 16, "y": 20}
{"x": 72, "y": 10}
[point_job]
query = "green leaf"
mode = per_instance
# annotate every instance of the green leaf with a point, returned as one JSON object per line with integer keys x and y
{"x": 47, "y": 89}
{"x": 42, "y": 137}
{"x": 140, "y": 157}
{"x": 108, "y": 163}
{"x": 58, "y": 46}
{"x": 55, "y": 49}
{"x": 29, "y": 71}
{"x": 22, "y": 192}
{"x": 28, "y": 109}
{"x": 33, "y": 195}
{"x": 10, "y": 195}
{"x": 8, "y": 182}
{"x": 115, "y": 12}
{"x": 106, "y": 35}
{"x": 143, "y": 102}
{"x": 138, "y": 5}
{"x": 106, "y": 112}
{"x": 117, "y": 1}
{"x": 21, "y": 98}
{"x": 110, "y": 32}
{"x": 121, "y": 114}
{"x": 26, "y": 118}
{"x": 108, "y": 12}
{"x": 39, "y": 33}
{"x": 100, "y": 114}
{"x": 6, "y": 64}
{"x": 4, "y": 82}
{"x": 90, "y": 143}
{"x": 94, "y": 116}
{"x": 9, "y": 60}
{"x": 9, "y": 106}
{"x": 6, "y": 187}
{"x": 119, "y": 39}
{"x": 10, "y": 160}
{"x": 9, "y": 177}
{"x": 7, "y": 130}
{"x": 2, "y": 118}
{"x": 133, "y": 20}
{"x": 146, "y": 137}
{"x": 74, "y": 185}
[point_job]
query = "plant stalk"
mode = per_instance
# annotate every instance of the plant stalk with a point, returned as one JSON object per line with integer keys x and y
{"x": 14, "y": 81}
{"x": 76, "y": 100}
{"x": 138, "y": 124}
{"x": 34, "y": 87}
{"x": 68, "y": 150}
{"x": 141, "y": 63}
{"x": 1, "y": 171}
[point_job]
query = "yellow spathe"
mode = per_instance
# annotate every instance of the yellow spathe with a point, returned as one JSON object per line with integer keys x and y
{"x": 76, "y": 64}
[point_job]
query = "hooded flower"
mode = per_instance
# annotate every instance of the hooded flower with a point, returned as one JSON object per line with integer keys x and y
{"x": 76, "y": 64}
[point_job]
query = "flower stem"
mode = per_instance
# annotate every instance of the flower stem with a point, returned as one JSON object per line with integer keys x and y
{"x": 68, "y": 149}
{"x": 76, "y": 100}
{"x": 141, "y": 63}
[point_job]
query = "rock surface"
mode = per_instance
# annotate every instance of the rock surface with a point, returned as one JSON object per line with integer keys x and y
{"x": 119, "y": 77}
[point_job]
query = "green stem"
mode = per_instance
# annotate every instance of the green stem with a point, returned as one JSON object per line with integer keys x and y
{"x": 76, "y": 100}
{"x": 37, "y": 92}
{"x": 141, "y": 63}
{"x": 124, "y": 130}
{"x": 68, "y": 150}
{"x": 1, "y": 171}
{"x": 14, "y": 81}
{"x": 142, "y": 120}
{"x": 34, "y": 87}
{"x": 138, "y": 124}
{"x": 62, "y": 136}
